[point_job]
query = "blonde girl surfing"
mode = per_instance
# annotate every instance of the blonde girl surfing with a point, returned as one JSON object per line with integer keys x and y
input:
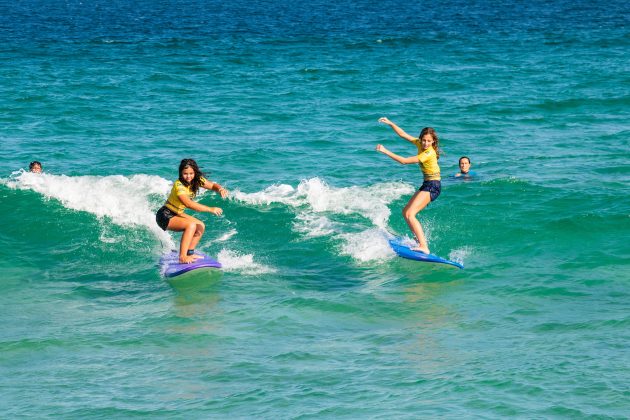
{"x": 171, "y": 215}
{"x": 427, "y": 157}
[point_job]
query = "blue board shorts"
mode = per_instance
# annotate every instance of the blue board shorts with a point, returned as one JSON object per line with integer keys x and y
{"x": 434, "y": 188}
{"x": 163, "y": 216}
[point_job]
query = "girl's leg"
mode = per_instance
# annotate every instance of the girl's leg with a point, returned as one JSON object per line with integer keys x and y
{"x": 200, "y": 229}
{"x": 419, "y": 201}
{"x": 188, "y": 227}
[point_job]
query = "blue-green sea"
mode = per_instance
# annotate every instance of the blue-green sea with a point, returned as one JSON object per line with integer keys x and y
{"x": 313, "y": 315}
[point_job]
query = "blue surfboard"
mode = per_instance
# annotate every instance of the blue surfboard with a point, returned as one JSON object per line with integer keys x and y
{"x": 171, "y": 266}
{"x": 404, "y": 251}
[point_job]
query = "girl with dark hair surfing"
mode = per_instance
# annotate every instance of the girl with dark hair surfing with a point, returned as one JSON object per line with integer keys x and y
{"x": 171, "y": 215}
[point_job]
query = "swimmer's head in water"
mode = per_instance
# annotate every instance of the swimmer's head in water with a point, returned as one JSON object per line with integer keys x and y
{"x": 464, "y": 164}
{"x": 35, "y": 166}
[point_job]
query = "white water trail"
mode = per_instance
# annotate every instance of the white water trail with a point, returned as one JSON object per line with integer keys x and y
{"x": 128, "y": 201}
{"x": 316, "y": 204}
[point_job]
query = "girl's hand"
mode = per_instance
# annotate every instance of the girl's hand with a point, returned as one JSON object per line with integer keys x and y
{"x": 381, "y": 148}
{"x": 224, "y": 193}
{"x": 385, "y": 120}
{"x": 217, "y": 211}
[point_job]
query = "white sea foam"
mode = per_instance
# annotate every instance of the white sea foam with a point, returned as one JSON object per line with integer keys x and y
{"x": 242, "y": 263}
{"x": 315, "y": 203}
{"x": 281, "y": 193}
{"x": 126, "y": 201}
{"x": 460, "y": 254}
{"x": 314, "y": 225}
{"x": 315, "y": 196}
{"x": 225, "y": 236}
{"x": 368, "y": 245}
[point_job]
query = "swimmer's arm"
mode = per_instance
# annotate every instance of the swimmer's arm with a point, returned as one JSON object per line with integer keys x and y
{"x": 193, "y": 205}
{"x": 213, "y": 186}
{"x": 397, "y": 158}
{"x": 401, "y": 133}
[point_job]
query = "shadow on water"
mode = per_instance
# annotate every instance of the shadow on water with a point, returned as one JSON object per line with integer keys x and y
{"x": 196, "y": 282}
{"x": 196, "y": 292}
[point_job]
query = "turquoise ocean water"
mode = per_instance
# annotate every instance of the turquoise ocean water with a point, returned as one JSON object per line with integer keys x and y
{"x": 313, "y": 316}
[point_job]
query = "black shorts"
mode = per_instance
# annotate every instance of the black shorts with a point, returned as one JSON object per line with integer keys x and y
{"x": 163, "y": 215}
{"x": 434, "y": 188}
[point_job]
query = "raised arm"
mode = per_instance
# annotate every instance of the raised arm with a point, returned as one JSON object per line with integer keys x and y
{"x": 213, "y": 186}
{"x": 397, "y": 129}
{"x": 397, "y": 158}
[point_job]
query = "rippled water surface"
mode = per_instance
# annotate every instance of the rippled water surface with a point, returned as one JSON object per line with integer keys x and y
{"x": 313, "y": 315}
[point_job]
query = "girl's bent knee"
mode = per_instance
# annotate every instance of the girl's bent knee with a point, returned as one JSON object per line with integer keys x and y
{"x": 408, "y": 214}
{"x": 199, "y": 228}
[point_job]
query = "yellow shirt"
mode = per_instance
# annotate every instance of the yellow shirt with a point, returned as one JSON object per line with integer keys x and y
{"x": 173, "y": 202}
{"x": 428, "y": 162}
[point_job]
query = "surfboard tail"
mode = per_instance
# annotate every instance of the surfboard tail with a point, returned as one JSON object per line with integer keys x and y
{"x": 404, "y": 251}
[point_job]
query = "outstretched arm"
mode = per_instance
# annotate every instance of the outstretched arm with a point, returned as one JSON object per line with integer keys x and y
{"x": 193, "y": 205}
{"x": 397, "y": 129}
{"x": 209, "y": 185}
{"x": 397, "y": 158}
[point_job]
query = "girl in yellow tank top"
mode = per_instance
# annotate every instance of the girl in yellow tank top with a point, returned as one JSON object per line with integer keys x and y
{"x": 171, "y": 216}
{"x": 427, "y": 157}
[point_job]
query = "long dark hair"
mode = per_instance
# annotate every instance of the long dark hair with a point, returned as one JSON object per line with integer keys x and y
{"x": 436, "y": 140}
{"x": 196, "y": 182}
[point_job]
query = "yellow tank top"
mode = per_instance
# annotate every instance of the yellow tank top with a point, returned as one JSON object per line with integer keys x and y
{"x": 428, "y": 163}
{"x": 173, "y": 202}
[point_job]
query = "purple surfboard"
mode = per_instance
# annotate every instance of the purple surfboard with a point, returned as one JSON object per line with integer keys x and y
{"x": 172, "y": 267}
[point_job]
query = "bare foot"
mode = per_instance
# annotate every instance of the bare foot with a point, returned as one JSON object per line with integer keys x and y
{"x": 422, "y": 249}
{"x": 197, "y": 257}
{"x": 186, "y": 259}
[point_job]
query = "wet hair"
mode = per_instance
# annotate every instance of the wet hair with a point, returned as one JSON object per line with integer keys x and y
{"x": 436, "y": 140}
{"x": 33, "y": 164}
{"x": 196, "y": 181}
{"x": 464, "y": 157}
